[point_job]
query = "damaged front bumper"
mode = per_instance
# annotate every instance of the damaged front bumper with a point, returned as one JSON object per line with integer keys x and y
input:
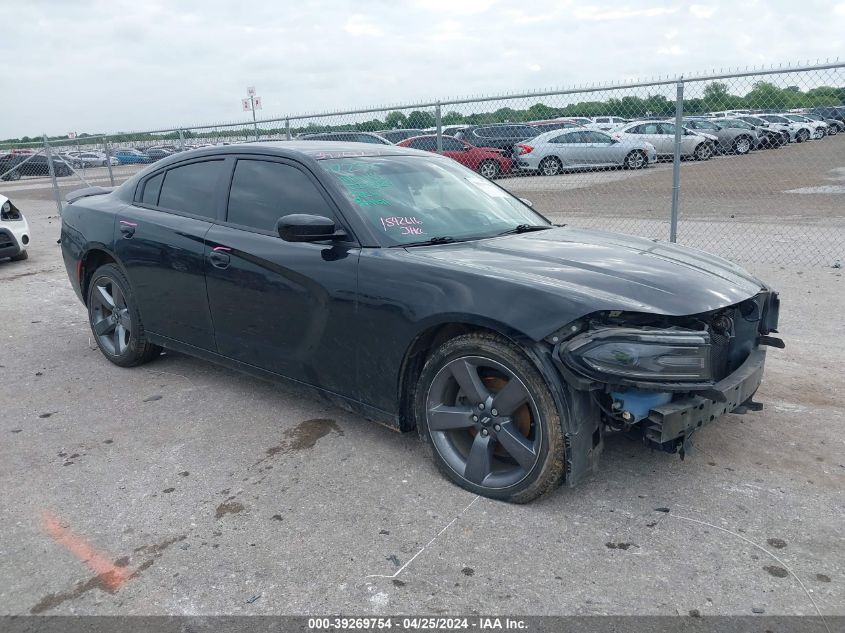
{"x": 670, "y": 377}
{"x": 679, "y": 419}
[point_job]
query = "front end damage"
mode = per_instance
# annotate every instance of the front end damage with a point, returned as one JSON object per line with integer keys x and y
{"x": 664, "y": 377}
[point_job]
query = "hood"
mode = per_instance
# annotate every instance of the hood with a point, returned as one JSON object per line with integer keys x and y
{"x": 596, "y": 270}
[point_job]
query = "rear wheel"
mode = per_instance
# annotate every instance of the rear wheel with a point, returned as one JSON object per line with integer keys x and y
{"x": 115, "y": 320}
{"x": 635, "y": 160}
{"x": 802, "y": 136}
{"x": 20, "y": 256}
{"x": 703, "y": 151}
{"x": 489, "y": 168}
{"x": 551, "y": 166}
{"x": 13, "y": 175}
{"x": 741, "y": 145}
{"x": 489, "y": 418}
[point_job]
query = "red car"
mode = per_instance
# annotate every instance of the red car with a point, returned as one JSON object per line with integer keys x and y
{"x": 486, "y": 161}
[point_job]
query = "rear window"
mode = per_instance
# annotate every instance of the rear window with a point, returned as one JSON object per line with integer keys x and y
{"x": 191, "y": 188}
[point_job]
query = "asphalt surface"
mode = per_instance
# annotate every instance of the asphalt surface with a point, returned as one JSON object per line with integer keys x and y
{"x": 183, "y": 488}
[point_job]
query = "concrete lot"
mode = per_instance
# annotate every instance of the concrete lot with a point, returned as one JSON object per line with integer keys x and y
{"x": 191, "y": 489}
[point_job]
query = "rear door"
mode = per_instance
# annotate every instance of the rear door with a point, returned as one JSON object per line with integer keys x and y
{"x": 160, "y": 239}
{"x": 286, "y": 307}
{"x": 572, "y": 148}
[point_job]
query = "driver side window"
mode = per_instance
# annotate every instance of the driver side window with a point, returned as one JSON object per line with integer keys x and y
{"x": 263, "y": 191}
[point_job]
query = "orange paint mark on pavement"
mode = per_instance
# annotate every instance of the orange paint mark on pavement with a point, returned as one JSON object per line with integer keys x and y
{"x": 107, "y": 572}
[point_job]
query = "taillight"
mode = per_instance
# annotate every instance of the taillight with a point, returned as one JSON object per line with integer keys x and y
{"x": 524, "y": 149}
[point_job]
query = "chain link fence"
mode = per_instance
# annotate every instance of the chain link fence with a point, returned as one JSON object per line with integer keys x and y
{"x": 748, "y": 165}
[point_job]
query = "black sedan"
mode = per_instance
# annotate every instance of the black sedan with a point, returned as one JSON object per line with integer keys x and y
{"x": 409, "y": 289}
{"x": 13, "y": 166}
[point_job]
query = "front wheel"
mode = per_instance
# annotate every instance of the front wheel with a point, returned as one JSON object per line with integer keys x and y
{"x": 703, "y": 152}
{"x": 115, "y": 320}
{"x": 635, "y": 160}
{"x": 802, "y": 136}
{"x": 489, "y": 418}
{"x": 742, "y": 145}
{"x": 489, "y": 169}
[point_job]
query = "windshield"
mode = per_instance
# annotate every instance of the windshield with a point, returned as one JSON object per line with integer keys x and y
{"x": 408, "y": 199}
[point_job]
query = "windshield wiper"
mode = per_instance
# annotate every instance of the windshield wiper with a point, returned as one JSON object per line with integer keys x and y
{"x": 525, "y": 228}
{"x": 439, "y": 239}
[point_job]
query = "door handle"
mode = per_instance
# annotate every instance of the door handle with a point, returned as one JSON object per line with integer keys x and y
{"x": 219, "y": 257}
{"x": 127, "y": 229}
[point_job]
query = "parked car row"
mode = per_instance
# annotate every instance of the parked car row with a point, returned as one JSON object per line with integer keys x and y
{"x": 547, "y": 146}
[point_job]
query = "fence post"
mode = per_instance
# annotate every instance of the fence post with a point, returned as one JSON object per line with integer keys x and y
{"x": 287, "y": 129}
{"x": 181, "y": 140}
{"x": 439, "y": 122}
{"x": 676, "y": 161}
{"x": 56, "y": 193}
{"x": 108, "y": 158}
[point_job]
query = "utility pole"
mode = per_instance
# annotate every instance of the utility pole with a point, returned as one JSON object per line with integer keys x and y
{"x": 252, "y": 103}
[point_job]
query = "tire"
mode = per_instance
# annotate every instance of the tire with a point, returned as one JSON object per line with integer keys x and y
{"x": 22, "y": 256}
{"x": 489, "y": 169}
{"x": 703, "y": 151}
{"x": 116, "y": 324}
{"x": 13, "y": 175}
{"x": 105, "y": 163}
{"x": 802, "y": 136}
{"x": 741, "y": 145}
{"x": 516, "y": 454}
{"x": 635, "y": 160}
{"x": 550, "y": 166}
{"x": 832, "y": 130}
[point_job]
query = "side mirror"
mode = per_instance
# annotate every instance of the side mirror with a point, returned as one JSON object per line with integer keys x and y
{"x": 300, "y": 227}
{"x": 526, "y": 202}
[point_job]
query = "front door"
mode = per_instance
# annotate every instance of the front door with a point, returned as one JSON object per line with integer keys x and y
{"x": 286, "y": 307}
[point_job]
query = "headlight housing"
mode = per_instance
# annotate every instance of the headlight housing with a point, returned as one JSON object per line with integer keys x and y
{"x": 641, "y": 355}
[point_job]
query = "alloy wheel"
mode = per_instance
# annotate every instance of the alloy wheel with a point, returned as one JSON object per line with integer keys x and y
{"x": 488, "y": 169}
{"x": 110, "y": 318}
{"x": 743, "y": 145}
{"x": 636, "y": 160}
{"x": 483, "y": 422}
{"x": 550, "y": 167}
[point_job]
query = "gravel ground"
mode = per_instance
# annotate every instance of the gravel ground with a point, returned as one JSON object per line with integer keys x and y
{"x": 192, "y": 489}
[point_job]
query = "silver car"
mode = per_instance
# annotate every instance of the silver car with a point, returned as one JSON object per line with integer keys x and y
{"x": 552, "y": 152}
{"x": 737, "y": 137}
{"x": 661, "y": 134}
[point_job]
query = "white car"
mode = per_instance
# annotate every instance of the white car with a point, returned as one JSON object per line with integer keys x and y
{"x": 552, "y": 152}
{"x": 661, "y": 134}
{"x": 798, "y": 131}
{"x": 607, "y": 122}
{"x": 92, "y": 159}
{"x": 14, "y": 231}
{"x": 819, "y": 127}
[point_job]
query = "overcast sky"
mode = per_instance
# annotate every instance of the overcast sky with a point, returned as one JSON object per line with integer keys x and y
{"x": 108, "y": 65}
